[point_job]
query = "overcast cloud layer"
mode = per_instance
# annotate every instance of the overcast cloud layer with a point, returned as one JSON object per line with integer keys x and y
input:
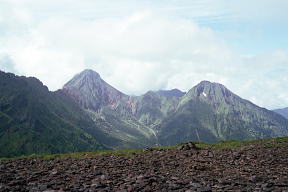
{"x": 149, "y": 45}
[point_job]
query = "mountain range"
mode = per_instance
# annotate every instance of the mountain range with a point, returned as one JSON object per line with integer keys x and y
{"x": 89, "y": 114}
{"x": 283, "y": 112}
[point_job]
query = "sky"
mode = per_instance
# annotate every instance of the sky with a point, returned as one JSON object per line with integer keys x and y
{"x": 144, "y": 45}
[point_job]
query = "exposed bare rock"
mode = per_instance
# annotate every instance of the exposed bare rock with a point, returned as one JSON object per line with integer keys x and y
{"x": 255, "y": 167}
{"x": 188, "y": 146}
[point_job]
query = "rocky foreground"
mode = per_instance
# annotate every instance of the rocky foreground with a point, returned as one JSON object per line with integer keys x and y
{"x": 253, "y": 167}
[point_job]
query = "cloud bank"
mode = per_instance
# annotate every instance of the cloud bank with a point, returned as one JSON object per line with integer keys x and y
{"x": 135, "y": 51}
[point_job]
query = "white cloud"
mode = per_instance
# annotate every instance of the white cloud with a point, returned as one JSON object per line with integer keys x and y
{"x": 263, "y": 79}
{"x": 134, "y": 51}
{"x": 146, "y": 47}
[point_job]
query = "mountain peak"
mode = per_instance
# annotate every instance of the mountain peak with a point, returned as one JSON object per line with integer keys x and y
{"x": 209, "y": 83}
{"x": 89, "y": 72}
{"x": 90, "y": 91}
{"x": 88, "y": 76}
{"x": 210, "y": 90}
{"x": 172, "y": 92}
{"x": 205, "y": 82}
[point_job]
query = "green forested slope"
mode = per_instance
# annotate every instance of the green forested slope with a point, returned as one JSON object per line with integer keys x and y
{"x": 34, "y": 120}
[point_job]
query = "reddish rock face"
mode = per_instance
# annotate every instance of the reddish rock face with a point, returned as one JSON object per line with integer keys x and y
{"x": 256, "y": 167}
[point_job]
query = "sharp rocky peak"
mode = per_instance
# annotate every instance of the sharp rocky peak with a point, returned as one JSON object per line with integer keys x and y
{"x": 208, "y": 83}
{"x": 86, "y": 77}
{"x": 210, "y": 89}
{"x": 89, "y": 73}
{"x": 92, "y": 92}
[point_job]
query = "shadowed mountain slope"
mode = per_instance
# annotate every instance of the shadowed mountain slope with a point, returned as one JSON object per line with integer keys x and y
{"x": 34, "y": 120}
{"x": 283, "y": 112}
